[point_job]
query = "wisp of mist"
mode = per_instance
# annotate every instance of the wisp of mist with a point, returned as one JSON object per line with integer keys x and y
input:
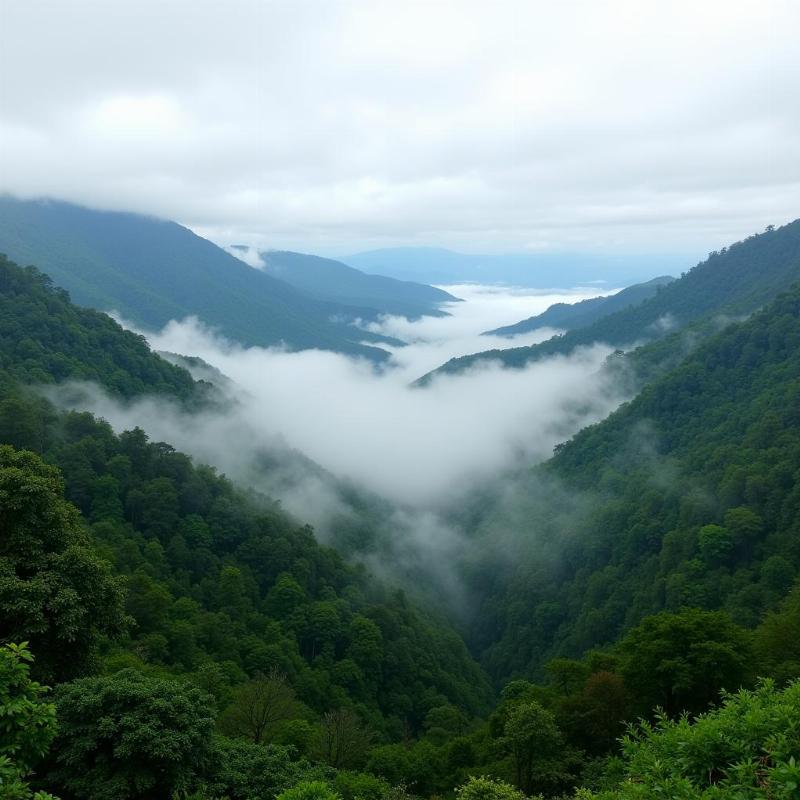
{"x": 422, "y": 449}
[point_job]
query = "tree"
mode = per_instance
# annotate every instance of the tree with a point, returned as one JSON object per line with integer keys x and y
{"x": 309, "y": 790}
{"x": 128, "y": 736}
{"x": 482, "y": 788}
{"x": 27, "y": 724}
{"x": 778, "y": 639}
{"x": 244, "y": 771}
{"x": 536, "y": 746}
{"x": 259, "y": 706}
{"x": 55, "y": 592}
{"x": 680, "y": 662}
{"x": 342, "y": 739}
{"x": 747, "y": 748}
{"x": 443, "y": 723}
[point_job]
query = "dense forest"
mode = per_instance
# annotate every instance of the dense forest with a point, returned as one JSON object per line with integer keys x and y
{"x": 683, "y": 496}
{"x": 166, "y": 634}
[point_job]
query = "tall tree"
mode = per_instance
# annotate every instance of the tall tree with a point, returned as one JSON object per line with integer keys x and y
{"x": 127, "y": 736}
{"x": 55, "y": 592}
{"x": 259, "y": 706}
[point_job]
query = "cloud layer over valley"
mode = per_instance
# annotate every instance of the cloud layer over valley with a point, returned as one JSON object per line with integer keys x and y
{"x": 419, "y": 448}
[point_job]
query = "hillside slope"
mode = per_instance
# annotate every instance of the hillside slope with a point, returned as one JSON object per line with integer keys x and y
{"x": 332, "y": 281}
{"x": 732, "y": 282}
{"x": 216, "y": 578}
{"x": 152, "y": 271}
{"x": 569, "y": 316}
{"x": 687, "y": 495}
{"x": 44, "y": 338}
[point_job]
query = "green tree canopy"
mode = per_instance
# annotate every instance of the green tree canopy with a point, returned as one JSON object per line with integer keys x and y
{"x": 55, "y": 592}
{"x": 680, "y": 662}
{"x": 128, "y": 736}
{"x": 27, "y": 723}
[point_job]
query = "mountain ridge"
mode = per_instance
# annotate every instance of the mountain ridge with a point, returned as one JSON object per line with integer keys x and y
{"x": 734, "y": 281}
{"x": 568, "y": 316}
{"x": 152, "y": 271}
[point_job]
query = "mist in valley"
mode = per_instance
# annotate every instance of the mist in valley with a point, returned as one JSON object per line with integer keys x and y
{"x": 391, "y": 474}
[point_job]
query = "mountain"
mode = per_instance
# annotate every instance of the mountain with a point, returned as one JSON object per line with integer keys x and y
{"x": 730, "y": 283}
{"x": 44, "y": 338}
{"x": 438, "y": 265}
{"x": 224, "y": 649}
{"x": 686, "y": 496}
{"x": 335, "y": 282}
{"x": 152, "y": 271}
{"x": 568, "y": 316}
{"x": 212, "y": 574}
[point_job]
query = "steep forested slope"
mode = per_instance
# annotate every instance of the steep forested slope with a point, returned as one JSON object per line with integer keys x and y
{"x": 335, "y": 282}
{"x": 152, "y": 271}
{"x": 569, "y": 316}
{"x": 44, "y": 338}
{"x": 213, "y": 576}
{"x": 225, "y": 653}
{"x": 687, "y": 495}
{"x": 734, "y": 281}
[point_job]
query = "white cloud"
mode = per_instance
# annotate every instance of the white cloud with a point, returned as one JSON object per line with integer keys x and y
{"x": 420, "y": 448}
{"x": 336, "y": 126}
{"x": 250, "y": 255}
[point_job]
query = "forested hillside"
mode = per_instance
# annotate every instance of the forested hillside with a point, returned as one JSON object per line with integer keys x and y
{"x": 44, "y": 338}
{"x": 569, "y": 316}
{"x": 684, "y": 496}
{"x": 136, "y": 558}
{"x": 202, "y": 644}
{"x": 152, "y": 271}
{"x": 733, "y": 282}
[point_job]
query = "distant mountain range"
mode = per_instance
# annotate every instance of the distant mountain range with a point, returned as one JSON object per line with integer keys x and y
{"x": 151, "y": 271}
{"x": 334, "y": 282}
{"x": 440, "y": 266}
{"x": 731, "y": 283}
{"x": 569, "y": 316}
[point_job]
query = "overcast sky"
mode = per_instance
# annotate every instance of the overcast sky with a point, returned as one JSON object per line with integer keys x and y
{"x": 483, "y": 126}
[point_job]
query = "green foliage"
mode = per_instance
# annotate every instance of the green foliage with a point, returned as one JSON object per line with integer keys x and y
{"x": 54, "y": 589}
{"x": 745, "y": 749}
{"x": 777, "y": 639}
{"x": 309, "y": 790}
{"x": 532, "y": 738}
{"x": 686, "y": 496}
{"x": 220, "y": 576}
{"x": 242, "y": 770}
{"x": 46, "y": 339}
{"x": 128, "y": 735}
{"x": 482, "y": 788}
{"x": 681, "y": 662}
{"x": 259, "y": 707}
{"x": 27, "y": 724}
{"x": 359, "y": 786}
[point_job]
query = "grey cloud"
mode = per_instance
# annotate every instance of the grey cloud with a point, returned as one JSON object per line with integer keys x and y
{"x": 336, "y": 126}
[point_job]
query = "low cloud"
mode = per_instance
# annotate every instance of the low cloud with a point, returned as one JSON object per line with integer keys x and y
{"x": 378, "y": 467}
{"x": 250, "y": 255}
